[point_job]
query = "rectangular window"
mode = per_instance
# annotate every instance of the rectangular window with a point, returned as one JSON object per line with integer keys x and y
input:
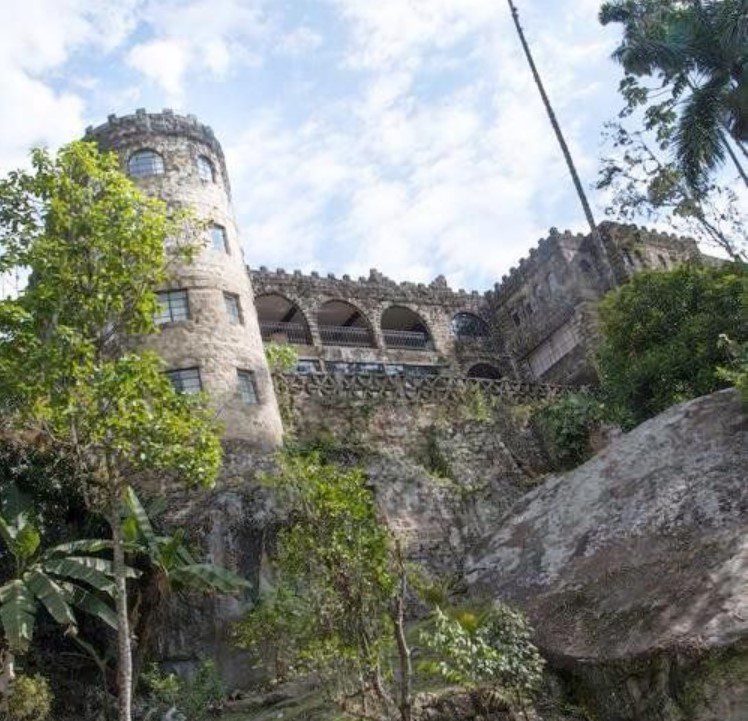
{"x": 218, "y": 239}
{"x": 247, "y": 387}
{"x": 185, "y": 380}
{"x": 173, "y": 306}
{"x": 233, "y": 309}
{"x": 306, "y": 367}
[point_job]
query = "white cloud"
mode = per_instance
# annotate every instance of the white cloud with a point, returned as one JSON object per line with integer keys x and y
{"x": 164, "y": 62}
{"x": 299, "y": 41}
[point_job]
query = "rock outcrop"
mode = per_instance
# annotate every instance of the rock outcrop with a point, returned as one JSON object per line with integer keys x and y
{"x": 633, "y": 568}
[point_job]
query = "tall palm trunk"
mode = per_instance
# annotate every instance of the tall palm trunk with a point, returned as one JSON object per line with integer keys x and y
{"x": 124, "y": 648}
{"x": 561, "y": 140}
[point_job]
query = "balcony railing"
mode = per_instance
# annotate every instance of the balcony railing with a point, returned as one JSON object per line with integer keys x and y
{"x": 415, "y": 340}
{"x": 346, "y": 335}
{"x": 278, "y": 332}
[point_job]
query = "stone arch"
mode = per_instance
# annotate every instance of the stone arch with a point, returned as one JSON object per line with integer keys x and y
{"x": 484, "y": 371}
{"x": 404, "y": 328}
{"x": 342, "y": 323}
{"x": 466, "y": 326}
{"x": 145, "y": 162}
{"x": 281, "y": 320}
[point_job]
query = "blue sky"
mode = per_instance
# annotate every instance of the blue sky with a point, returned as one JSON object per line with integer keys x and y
{"x": 399, "y": 134}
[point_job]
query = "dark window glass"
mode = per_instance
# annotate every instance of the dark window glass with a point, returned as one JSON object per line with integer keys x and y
{"x": 306, "y": 367}
{"x": 185, "y": 380}
{"x": 144, "y": 163}
{"x": 205, "y": 169}
{"x": 173, "y": 306}
{"x": 218, "y": 238}
{"x": 467, "y": 325}
{"x": 233, "y": 309}
{"x": 247, "y": 387}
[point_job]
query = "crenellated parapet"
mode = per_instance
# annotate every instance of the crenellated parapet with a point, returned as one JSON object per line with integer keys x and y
{"x": 374, "y": 286}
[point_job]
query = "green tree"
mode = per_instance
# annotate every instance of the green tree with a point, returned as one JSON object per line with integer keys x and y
{"x": 338, "y": 607}
{"x": 697, "y": 54}
{"x": 643, "y": 181}
{"x": 60, "y": 579}
{"x": 490, "y": 651}
{"x": 661, "y": 338}
{"x": 94, "y": 246}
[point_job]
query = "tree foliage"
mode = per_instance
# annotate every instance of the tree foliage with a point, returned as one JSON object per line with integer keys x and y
{"x": 331, "y": 611}
{"x": 661, "y": 338}
{"x": 491, "y": 650}
{"x": 95, "y": 249}
{"x": 696, "y": 54}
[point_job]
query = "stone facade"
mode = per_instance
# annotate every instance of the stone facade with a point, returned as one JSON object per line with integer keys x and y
{"x": 200, "y": 333}
{"x": 538, "y": 325}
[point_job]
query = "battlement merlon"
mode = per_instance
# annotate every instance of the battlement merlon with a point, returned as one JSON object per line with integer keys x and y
{"x": 376, "y": 286}
{"x": 619, "y": 235}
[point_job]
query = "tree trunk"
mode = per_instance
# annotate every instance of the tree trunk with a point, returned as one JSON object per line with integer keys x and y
{"x": 124, "y": 654}
{"x": 562, "y": 144}
{"x": 8, "y": 673}
{"x": 406, "y": 666}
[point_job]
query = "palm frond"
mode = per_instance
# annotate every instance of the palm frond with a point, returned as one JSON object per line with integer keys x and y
{"x": 84, "y": 545}
{"x": 699, "y": 142}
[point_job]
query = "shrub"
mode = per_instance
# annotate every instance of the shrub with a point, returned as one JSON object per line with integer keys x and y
{"x": 489, "y": 651}
{"x": 566, "y": 425}
{"x": 661, "y": 338}
{"x": 196, "y": 698}
{"x": 281, "y": 358}
{"x": 30, "y": 699}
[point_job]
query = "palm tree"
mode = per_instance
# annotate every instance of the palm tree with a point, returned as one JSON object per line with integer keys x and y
{"x": 700, "y": 52}
{"x": 61, "y": 579}
{"x": 560, "y": 138}
{"x": 171, "y": 568}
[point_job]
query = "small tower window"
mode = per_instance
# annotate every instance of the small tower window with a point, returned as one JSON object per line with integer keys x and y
{"x": 662, "y": 260}
{"x": 205, "y": 169}
{"x": 218, "y": 238}
{"x": 185, "y": 380}
{"x": 233, "y": 308}
{"x": 247, "y": 387}
{"x": 144, "y": 163}
{"x": 173, "y": 306}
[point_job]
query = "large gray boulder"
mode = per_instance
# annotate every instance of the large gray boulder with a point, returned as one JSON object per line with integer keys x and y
{"x": 633, "y": 567}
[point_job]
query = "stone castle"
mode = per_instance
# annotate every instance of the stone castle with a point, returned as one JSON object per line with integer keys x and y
{"x": 532, "y": 332}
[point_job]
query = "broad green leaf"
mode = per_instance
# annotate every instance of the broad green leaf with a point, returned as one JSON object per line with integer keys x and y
{"x": 51, "y": 596}
{"x": 84, "y": 545}
{"x": 104, "y": 565}
{"x": 69, "y": 568}
{"x": 207, "y": 575}
{"x": 144, "y": 523}
{"x": 27, "y": 542}
{"x": 89, "y": 603}
{"x": 17, "y": 615}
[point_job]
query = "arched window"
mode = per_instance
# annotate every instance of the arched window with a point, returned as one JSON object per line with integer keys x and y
{"x": 341, "y": 323}
{"x": 485, "y": 371}
{"x": 281, "y": 321}
{"x": 403, "y": 328}
{"x": 205, "y": 169}
{"x": 467, "y": 325}
{"x": 144, "y": 163}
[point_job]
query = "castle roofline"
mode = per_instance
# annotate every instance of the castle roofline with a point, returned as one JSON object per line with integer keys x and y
{"x": 167, "y": 122}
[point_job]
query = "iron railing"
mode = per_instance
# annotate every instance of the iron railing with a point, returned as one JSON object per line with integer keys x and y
{"x": 279, "y": 332}
{"x": 416, "y": 340}
{"x": 350, "y": 335}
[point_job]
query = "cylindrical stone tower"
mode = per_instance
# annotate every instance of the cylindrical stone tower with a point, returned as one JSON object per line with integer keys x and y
{"x": 210, "y": 337}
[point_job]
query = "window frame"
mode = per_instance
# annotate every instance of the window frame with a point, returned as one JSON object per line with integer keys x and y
{"x": 178, "y": 385}
{"x": 234, "y": 297}
{"x": 203, "y": 161}
{"x": 170, "y": 309}
{"x": 224, "y": 235}
{"x": 246, "y": 376}
{"x": 141, "y": 152}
